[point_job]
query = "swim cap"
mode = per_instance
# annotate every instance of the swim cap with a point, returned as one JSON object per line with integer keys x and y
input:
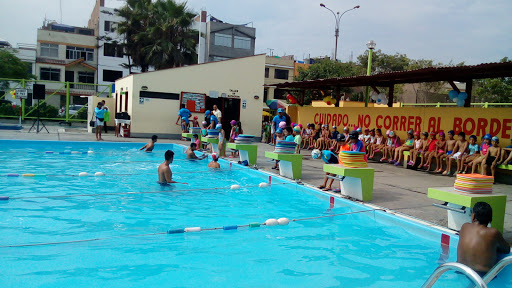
{"x": 215, "y": 156}
{"x": 432, "y": 133}
{"x": 451, "y": 132}
{"x": 441, "y": 133}
{"x": 219, "y": 126}
{"x": 282, "y": 124}
{"x": 425, "y": 134}
{"x": 300, "y": 125}
{"x": 410, "y": 132}
{"x": 495, "y": 138}
{"x": 487, "y": 137}
{"x": 293, "y": 124}
{"x": 346, "y": 128}
{"x": 359, "y": 129}
{"x": 333, "y": 127}
{"x": 472, "y": 137}
{"x": 195, "y": 117}
{"x": 204, "y": 122}
{"x": 296, "y": 129}
{"x": 233, "y": 122}
{"x": 279, "y": 130}
{"x": 366, "y": 130}
{"x": 207, "y": 112}
{"x": 416, "y": 133}
{"x": 353, "y": 135}
{"x": 387, "y": 132}
{"x": 391, "y": 133}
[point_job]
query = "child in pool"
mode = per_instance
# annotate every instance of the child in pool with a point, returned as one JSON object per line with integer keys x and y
{"x": 215, "y": 161}
{"x": 459, "y": 151}
{"x": 432, "y": 150}
{"x": 491, "y": 157}
{"x": 483, "y": 151}
{"x": 378, "y": 143}
{"x": 447, "y": 150}
{"x": 407, "y": 146}
{"x": 151, "y": 145}
{"x": 474, "y": 151}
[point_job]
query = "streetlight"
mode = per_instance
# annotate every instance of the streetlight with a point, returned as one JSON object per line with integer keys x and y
{"x": 371, "y": 45}
{"x": 337, "y": 17}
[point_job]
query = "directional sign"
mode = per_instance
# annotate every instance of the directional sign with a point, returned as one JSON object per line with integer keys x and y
{"x": 21, "y": 93}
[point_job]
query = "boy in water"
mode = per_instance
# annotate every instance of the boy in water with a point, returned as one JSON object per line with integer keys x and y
{"x": 164, "y": 171}
{"x": 214, "y": 163}
{"x": 479, "y": 245}
{"x": 191, "y": 155}
{"x": 151, "y": 145}
{"x": 491, "y": 158}
{"x": 447, "y": 150}
{"x": 459, "y": 151}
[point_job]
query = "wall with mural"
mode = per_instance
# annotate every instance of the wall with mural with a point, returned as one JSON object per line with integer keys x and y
{"x": 477, "y": 121}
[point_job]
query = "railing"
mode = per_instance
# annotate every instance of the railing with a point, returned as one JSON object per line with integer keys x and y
{"x": 439, "y": 104}
{"x": 470, "y": 273}
{"x": 59, "y": 88}
{"x": 497, "y": 269}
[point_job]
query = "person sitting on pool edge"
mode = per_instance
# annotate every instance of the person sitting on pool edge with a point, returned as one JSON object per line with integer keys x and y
{"x": 191, "y": 155}
{"x": 151, "y": 145}
{"x": 479, "y": 245}
{"x": 329, "y": 158}
{"x": 164, "y": 171}
{"x": 215, "y": 161}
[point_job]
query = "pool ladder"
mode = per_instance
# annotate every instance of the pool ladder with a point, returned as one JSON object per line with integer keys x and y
{"x": 470, "y": 273}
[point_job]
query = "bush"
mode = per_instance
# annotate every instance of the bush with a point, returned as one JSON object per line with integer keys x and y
{"x": 7, "y": 110}
{"x": 82, "y": 114}
{"x": 45, "y": 111}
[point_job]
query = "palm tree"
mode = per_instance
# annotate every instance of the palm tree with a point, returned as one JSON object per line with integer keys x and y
{"x": 159, "y": 34}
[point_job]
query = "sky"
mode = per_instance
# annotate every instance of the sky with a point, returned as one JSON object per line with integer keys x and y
{"x": 443, "y": 30}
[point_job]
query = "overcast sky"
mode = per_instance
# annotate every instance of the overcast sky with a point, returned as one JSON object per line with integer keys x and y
{"x": 443, "y": 30}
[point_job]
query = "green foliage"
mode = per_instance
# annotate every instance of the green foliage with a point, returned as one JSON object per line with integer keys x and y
{"x": 12, "y": 67}
{"x": 82, "y": 114}
{"x": 382, "y": 62}
{"x": 494, "y": 90}
{"x": 7, "y": 110}
{"x": 158, "y": 33}
{"x": 45, "y": 111}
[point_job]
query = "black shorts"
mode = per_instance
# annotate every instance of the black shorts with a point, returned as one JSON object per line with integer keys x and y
{"x": 490, "y": 160}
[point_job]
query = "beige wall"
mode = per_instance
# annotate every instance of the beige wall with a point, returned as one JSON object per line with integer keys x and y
{"x": 64, "y": 39}
{"x": 159, "y": 115}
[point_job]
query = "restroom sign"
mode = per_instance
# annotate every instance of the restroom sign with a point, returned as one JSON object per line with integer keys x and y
{"x": 244, "y": 104}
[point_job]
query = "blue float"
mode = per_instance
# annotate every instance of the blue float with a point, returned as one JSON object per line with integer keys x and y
{"x": 4, "y": 198}
{"x": 231, "y": 227}
{"x": 176, "y": 231}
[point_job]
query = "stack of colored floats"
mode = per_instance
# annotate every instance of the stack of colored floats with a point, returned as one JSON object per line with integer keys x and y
{"x": 474, "y": 183}
{"x": 353, "y": 159}
{"x": 213, "y": 132}
{"x": 194, "y": 130}
{"x": 285, "y": 147}
{"x": 244, "y": 139}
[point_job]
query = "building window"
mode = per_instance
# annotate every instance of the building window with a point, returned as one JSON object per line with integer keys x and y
{"x": 222, "y": 40}
{"x": 29, "y": 69}
{"x": 218, "y": 58}
{"x": 78, "y": 53}
{"x": 266, "y": 72}
{"x": 279, "y": 94}
{"x": 112, "y": 50}
{"x": 111, "y": 75}
{"x": 110, "y": 26}
{"x": 49, "y": 50}
{"x": 51, "y": 74}
{"x": 281, "y": 74}
{"x": 86, "y": 77}
{"x": 242, "y": 42}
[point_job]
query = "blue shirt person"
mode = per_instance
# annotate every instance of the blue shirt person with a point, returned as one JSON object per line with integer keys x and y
{"x": 183, "y": 113}
{"x": 278, "y": 118}
{"x": 212, "y": 119}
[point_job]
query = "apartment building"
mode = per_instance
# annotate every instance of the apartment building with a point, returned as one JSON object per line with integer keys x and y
{"x": 227, "y": 41}
{"x": 277, "y": 70}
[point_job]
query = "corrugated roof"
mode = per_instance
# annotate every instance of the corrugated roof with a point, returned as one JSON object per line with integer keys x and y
{"x": 430, "y": 74}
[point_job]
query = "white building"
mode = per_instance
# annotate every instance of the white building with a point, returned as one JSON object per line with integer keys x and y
{"x": 26, "y": 53}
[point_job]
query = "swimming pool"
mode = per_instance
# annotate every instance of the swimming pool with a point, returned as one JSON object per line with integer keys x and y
{"x": 367, "y": 249}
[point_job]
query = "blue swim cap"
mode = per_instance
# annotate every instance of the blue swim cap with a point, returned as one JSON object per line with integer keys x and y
{"x": 279, "y": 130}
{"x": 326, "y": 155}
{"x": 495, "y": 138}
{"x": 207, "y": 112}
{"x": 487, "y": 137}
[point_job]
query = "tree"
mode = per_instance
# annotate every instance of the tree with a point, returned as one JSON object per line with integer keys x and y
{"x": 495, "y": 90}
{"x": 13, "y": 68}
{"x": 158, "y": 33}
{"x": 383, "y": 63}
{"x": 325, "y": 69}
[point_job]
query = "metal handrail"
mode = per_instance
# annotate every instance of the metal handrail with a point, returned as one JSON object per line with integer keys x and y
{"x": 497, "y": 269}
{"x": 470, "y": 273}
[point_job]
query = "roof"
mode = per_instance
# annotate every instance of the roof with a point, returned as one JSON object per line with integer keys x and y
{"x": 430, "y": 74}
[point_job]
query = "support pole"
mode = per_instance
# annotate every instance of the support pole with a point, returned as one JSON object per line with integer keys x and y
{"x": 368, "y": 73}
{"x": 302, "y": 96}
{"x": 469, "y": 90}
{"x": 391, "y": 95}
{"x": 24, "y": 85}
{"x": 67, "y": 101}
{"x": 454, "y": 87}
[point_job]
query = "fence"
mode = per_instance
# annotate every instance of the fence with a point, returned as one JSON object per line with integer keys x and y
{"x": 439, "y": 104}
{"x": 67, "y": 89}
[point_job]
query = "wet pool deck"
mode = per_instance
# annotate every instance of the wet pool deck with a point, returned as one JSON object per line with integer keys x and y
{"x": 395, "y": 188}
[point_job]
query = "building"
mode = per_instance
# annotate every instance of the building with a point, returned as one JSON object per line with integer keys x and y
{"x": 227, "y": 41}
{"x": 112, "y": 62}
{"x": 66, "y": 54}
{"x": 153, "y": 99}
{"x": 277, "y": 70}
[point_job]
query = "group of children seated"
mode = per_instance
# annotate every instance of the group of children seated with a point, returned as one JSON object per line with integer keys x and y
{"x": 429, "y": 149}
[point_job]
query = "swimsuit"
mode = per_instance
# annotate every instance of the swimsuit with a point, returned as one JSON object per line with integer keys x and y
{"x": 418, "y": 144}
{"x": 221, "y": 138}
{"x": 473, "y": 148}
{"x": 408, "y": 142}
{"x": 378, "y": 140}
{"x": 490, "y": 160}
{"x": 449, "y": 152}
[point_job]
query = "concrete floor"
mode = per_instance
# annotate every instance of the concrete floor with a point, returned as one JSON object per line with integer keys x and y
{"x": 395, "y": 188}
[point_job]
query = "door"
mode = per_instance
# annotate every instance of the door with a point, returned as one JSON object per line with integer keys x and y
{"x": 70, "y": 77}
{"x": 230, "y": 111}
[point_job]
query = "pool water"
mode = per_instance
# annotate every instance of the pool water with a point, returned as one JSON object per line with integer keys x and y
{"x": 368, "y": 249}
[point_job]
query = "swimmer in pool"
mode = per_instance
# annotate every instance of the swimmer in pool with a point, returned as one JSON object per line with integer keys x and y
{"x": 214, "y": 163}
{"x": 191, "y": 155}
{"x": 479, "y": 245}
{"x": 164, "y": 171}
{"x": 151, "y": 145}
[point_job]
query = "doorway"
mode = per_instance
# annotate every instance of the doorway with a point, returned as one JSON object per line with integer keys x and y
{"x": 230, "y": 108}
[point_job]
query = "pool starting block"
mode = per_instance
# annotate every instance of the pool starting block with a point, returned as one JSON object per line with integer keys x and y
{"x": 190, "y": 136}
{"x": 214, "y": 142}
{"x": 248, "y": 152}
{"x": 355, "y": 182}
{"x": 290, "y": 165}
{"x": 460, "y": 206}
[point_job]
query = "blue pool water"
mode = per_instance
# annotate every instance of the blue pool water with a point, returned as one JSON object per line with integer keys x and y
{"x": 369, "y": 249}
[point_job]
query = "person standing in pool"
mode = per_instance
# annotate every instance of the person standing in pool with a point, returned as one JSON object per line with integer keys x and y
{"x": 479, "y": 245}
{"x": 215, "y": 161}
{"x": 151, "y": 145}
{"x": 164, "y": 171}
{"x": 191, "y": 155}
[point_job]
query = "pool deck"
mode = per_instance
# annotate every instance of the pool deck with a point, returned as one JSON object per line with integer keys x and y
{"x": 395, "y": 188}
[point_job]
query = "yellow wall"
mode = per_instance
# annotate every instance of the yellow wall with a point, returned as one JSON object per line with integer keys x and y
{"x": 159, "y": 115}
{"x": 477, "y": 121}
